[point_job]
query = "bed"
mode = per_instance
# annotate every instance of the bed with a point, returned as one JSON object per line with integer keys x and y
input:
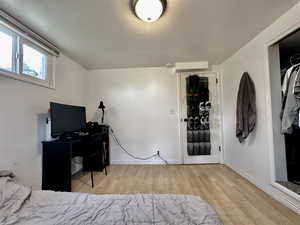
{"x": 20, "y": 205}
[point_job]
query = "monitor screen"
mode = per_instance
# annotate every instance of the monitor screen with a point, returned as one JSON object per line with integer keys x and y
{"x": 66, "y": 118}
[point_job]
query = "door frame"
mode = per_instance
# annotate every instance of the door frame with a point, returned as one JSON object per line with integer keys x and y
{"x": 220, "y": 102}
{"x": 269, "y": 111}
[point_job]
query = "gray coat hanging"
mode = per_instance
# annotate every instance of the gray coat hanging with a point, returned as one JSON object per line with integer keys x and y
{"x": 246, "y": 108}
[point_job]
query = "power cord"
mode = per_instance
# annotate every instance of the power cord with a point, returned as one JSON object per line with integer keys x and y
{"x": 165, "y": 161}
{"x": 133, "y": 156}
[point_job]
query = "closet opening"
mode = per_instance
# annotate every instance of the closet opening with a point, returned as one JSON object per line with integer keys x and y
{"x": 284, "y": 60}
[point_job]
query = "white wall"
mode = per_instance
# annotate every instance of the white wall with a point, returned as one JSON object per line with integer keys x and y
{"x": 139, "y": 103}
{"x": 276, "y": 102}
{"x": 253, "y": 158}
{"x": 21, "y": 103}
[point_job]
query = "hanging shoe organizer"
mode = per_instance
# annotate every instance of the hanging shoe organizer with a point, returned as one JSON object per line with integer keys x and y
{"x": 198, "y": 108}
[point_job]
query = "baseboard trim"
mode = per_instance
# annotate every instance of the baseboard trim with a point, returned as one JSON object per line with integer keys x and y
{"x": 139, "y": 162}
{"x": 273, "y": 192}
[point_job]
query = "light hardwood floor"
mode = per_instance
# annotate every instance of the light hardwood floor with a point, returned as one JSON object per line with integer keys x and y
{"x": 236, "y": 200}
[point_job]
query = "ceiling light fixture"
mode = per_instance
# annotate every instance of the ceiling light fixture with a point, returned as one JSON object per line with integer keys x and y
{"x": 149, "y": 10}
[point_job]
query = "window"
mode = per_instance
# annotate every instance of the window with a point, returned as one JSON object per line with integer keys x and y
{"x": 6, "y": 53}
{"x": 34, "y": 63}
{"x": 23, "y": 59}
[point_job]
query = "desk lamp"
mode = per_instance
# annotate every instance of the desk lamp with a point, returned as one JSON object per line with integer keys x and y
{"x": 102, "y": 107}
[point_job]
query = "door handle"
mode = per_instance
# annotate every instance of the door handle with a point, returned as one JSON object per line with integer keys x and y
{"x": 185, "y": 120}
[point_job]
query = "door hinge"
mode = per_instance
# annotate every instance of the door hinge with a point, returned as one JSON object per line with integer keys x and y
{"x": 217, "y": 81}
{"x": 220, "y": 149}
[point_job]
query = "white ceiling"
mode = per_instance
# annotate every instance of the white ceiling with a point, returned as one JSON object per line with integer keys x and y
{"x": 102, "y": 34}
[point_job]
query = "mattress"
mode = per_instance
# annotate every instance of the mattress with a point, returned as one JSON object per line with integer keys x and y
{"x": 20, "y": 205}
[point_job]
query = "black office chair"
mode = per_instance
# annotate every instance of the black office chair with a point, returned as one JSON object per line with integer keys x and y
{"x": 96, "y": 151}
{"x": 104, "y": 158}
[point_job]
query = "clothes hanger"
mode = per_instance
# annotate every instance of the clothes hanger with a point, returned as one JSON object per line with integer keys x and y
{"x": 295, "y": 57}
{"x": 292, "y": 65}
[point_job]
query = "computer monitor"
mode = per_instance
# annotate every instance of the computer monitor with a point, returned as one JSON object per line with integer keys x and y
{"x": 66, "y": 118}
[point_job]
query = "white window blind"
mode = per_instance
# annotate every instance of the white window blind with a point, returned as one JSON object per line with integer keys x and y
{"x": 27, "y": 33}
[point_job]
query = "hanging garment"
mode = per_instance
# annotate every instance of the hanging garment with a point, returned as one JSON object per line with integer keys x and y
{"x": 296, "y": 88}
{"x": 293, "y": 155}
{"x": 285, "y": 87}
{"x": 290, "y": 116}
{"x": 246, "y": 108}
{"x": 286, "y": 80}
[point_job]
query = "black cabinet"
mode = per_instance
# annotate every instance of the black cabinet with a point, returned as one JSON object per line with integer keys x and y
{"x": 57, "y": 157}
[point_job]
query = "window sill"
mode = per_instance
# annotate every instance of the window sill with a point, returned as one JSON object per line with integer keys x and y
{"x": 28, "y": 79}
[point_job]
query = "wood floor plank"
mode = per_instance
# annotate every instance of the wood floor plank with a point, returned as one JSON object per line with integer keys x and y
{"x": 237, "y": 201}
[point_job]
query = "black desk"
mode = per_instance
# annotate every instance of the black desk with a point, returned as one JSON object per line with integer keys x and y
{"x": 57, "y": 157}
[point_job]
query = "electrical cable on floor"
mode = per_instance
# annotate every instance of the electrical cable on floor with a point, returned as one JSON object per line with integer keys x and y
{"x": 165, "y": 161}
{"x": 131, "y": 155}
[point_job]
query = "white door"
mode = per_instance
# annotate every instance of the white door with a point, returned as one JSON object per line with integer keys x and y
{"x": 200, "y": 142}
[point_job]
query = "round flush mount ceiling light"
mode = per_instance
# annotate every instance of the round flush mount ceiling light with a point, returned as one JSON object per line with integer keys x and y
{"x": 149, "y": 10}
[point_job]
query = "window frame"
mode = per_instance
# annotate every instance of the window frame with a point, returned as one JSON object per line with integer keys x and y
{"x": 14, "y": 49}
{"x": 17, "y": 60}
{"x": 23, "y": 42}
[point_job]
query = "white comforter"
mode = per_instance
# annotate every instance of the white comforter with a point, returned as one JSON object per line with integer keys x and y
{"x": 20, "y": 205}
